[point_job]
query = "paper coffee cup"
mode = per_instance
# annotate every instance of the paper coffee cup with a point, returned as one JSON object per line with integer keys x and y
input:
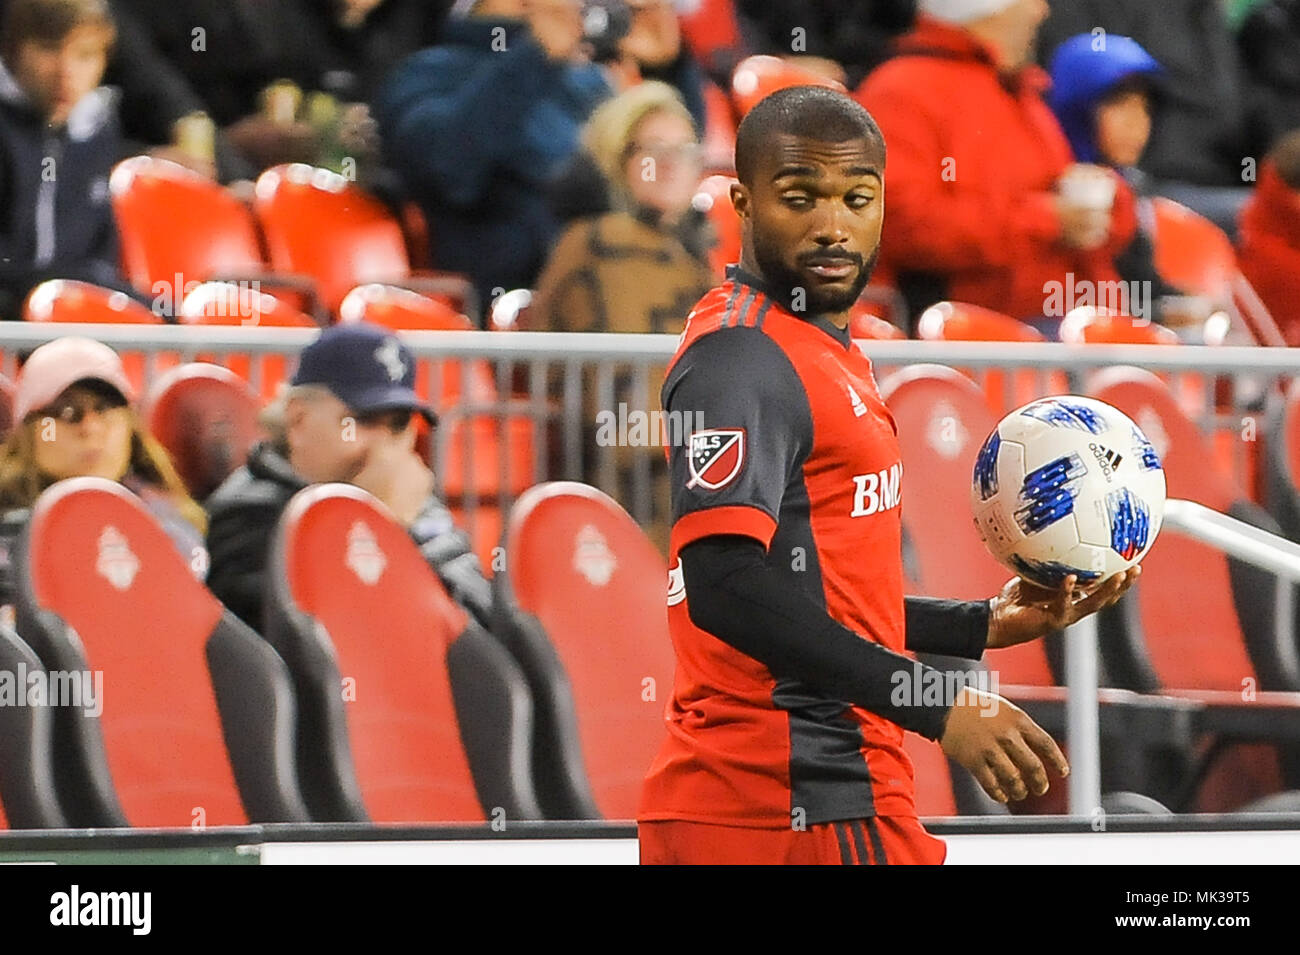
{"x": 1088, "y": 187}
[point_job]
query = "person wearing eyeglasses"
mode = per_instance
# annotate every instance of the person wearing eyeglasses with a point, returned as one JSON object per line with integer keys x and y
{"x": 635, "y": 263}
{"x": 74, "y": 416}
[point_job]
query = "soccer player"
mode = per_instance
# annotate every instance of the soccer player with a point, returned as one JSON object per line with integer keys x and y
{"x": 785, "y": 599}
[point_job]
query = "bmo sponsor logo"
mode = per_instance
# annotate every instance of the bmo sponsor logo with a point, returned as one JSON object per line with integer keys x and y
{"x": 877, "y": 492}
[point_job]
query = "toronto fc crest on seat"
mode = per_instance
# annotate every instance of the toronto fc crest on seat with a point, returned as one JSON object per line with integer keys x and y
{"x": 592, "y": 557}
{"x": 364, "y": 556}
{"x": 116, "y": 562}
{"x": 716, "y": 457}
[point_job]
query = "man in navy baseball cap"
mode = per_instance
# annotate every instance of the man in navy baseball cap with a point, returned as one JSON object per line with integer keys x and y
{"x": 365, "y": 366}
{"x": 349, "y": 414}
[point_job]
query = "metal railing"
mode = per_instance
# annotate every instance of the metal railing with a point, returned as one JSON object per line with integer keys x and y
{"x": 1228, "y": 536}
{"x": 559, "y": 381}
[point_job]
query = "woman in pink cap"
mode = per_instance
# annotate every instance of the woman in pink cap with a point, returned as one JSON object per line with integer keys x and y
{"x": 73, "y": 417}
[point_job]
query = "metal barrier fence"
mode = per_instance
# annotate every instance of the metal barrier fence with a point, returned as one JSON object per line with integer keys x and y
{"x": 591, "y": 401}
{"x": 589, "y": 406}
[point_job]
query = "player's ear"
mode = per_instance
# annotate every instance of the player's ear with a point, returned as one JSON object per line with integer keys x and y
{"x": 740, "y": 199}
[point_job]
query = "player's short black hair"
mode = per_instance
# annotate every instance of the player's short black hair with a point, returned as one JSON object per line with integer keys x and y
{"x": 814, "y": 112}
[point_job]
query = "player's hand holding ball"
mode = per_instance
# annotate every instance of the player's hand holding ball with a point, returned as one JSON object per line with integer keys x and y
{"x": 1007, "y": 752}
{"x": 1024, "y": 611}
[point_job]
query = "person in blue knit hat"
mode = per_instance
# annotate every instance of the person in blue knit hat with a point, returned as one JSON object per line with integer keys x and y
{"x": 1106, "y": 90}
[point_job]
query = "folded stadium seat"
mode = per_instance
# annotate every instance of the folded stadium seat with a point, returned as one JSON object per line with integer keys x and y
{"x": 433, "y": 720}
{"x": 68, "y": 300}
{"x": 206, "y": 417}
{"x": 322, "y": 224}
{"x": 943, "y": 419}
{"x": 713, "y": 198}
{"x": 865, "y": 324}
{"x": 102, "y": 589}
{"x": 581, "y": 607}
{"x": 1090, "y": 325}
{"x": 756, "y": 77}
{"x": 28, "y": 799}
{"x": 1191, "y": 252}
{"x": 226, "y": 303}
{"x": 178, "y": 228}
{"x": 1199, "y": 625}
{"x": 961, "y": 322}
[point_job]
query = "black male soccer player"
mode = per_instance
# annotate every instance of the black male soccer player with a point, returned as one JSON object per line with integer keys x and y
{"x": 786, "y": 598}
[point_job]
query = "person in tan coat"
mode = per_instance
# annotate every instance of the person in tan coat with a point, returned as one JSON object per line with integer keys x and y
{"x": 638, "y": 266}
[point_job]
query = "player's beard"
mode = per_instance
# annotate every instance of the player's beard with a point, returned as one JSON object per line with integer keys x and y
{"x": 782, "y": 280}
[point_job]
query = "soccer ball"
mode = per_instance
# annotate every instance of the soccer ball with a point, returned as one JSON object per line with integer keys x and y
{"x": 1068, "y": 485}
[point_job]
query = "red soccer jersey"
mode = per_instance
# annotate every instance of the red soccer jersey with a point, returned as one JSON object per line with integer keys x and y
{"x": 792, "y": 446}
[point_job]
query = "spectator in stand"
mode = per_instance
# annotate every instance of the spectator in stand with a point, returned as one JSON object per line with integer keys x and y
{"x": 850, "y": 36}
{"x": 641, "y": 265}
{"x": 59, "y": 139}
{"x": 1269, "y": 247}
{"x": 349, "y": 415}
{"x": 655, "y": 48}
{"x": 1202, "y": 137}
{"x": 1268, "y": 38}
{"x": 638, "y": 267}
{"x": 977, "y": 164}
{"x": 477, "y": 126}
{"x": 225, "y": 54}
{"x": 73, "y": 417}
{"x": 1104, "y": 94}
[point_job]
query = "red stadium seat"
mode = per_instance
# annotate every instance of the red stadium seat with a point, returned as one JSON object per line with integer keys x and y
{"x": 582, "y": 609}
{"x": 225, "y": 303}
{"x": 67, "y": 300}
{"x": 432, "y": 723}
{"x": 1203, "y": 626}
{"x": 178, "y": 228}
{"x": 206, "y": 417}
{"x": 321, "y": 224}
{"x": 1191, "y": 252}
{"x": 399, "y": 309}
{"x": 713, "y": 198}
{"x": 961, "y": 322}
{"x": 228, "y": 303}
{"x": 942, "y": 423}
{"x": 756, "y": 77}
{"x": 1090, "y": 325}
{"x": 28, "y": 795}
{"x": 101, "y": 588}
{"x": 864, "y": 323}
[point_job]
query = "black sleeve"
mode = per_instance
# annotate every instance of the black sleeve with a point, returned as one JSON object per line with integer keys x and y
{"x": 239, "y": 540}
{"x": 955, "y": 628}
{"x": 733, "y": 594}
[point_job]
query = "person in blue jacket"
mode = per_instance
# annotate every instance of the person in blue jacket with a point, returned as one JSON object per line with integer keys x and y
{"x": 476, "y": 127}
{"x": 59, "y": 138}
{"x": 1105, "y": 92}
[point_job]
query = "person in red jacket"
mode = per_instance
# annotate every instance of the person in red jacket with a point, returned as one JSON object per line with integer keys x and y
{"x": 984, "y": 193}
{"x": 1269, "y": 236}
